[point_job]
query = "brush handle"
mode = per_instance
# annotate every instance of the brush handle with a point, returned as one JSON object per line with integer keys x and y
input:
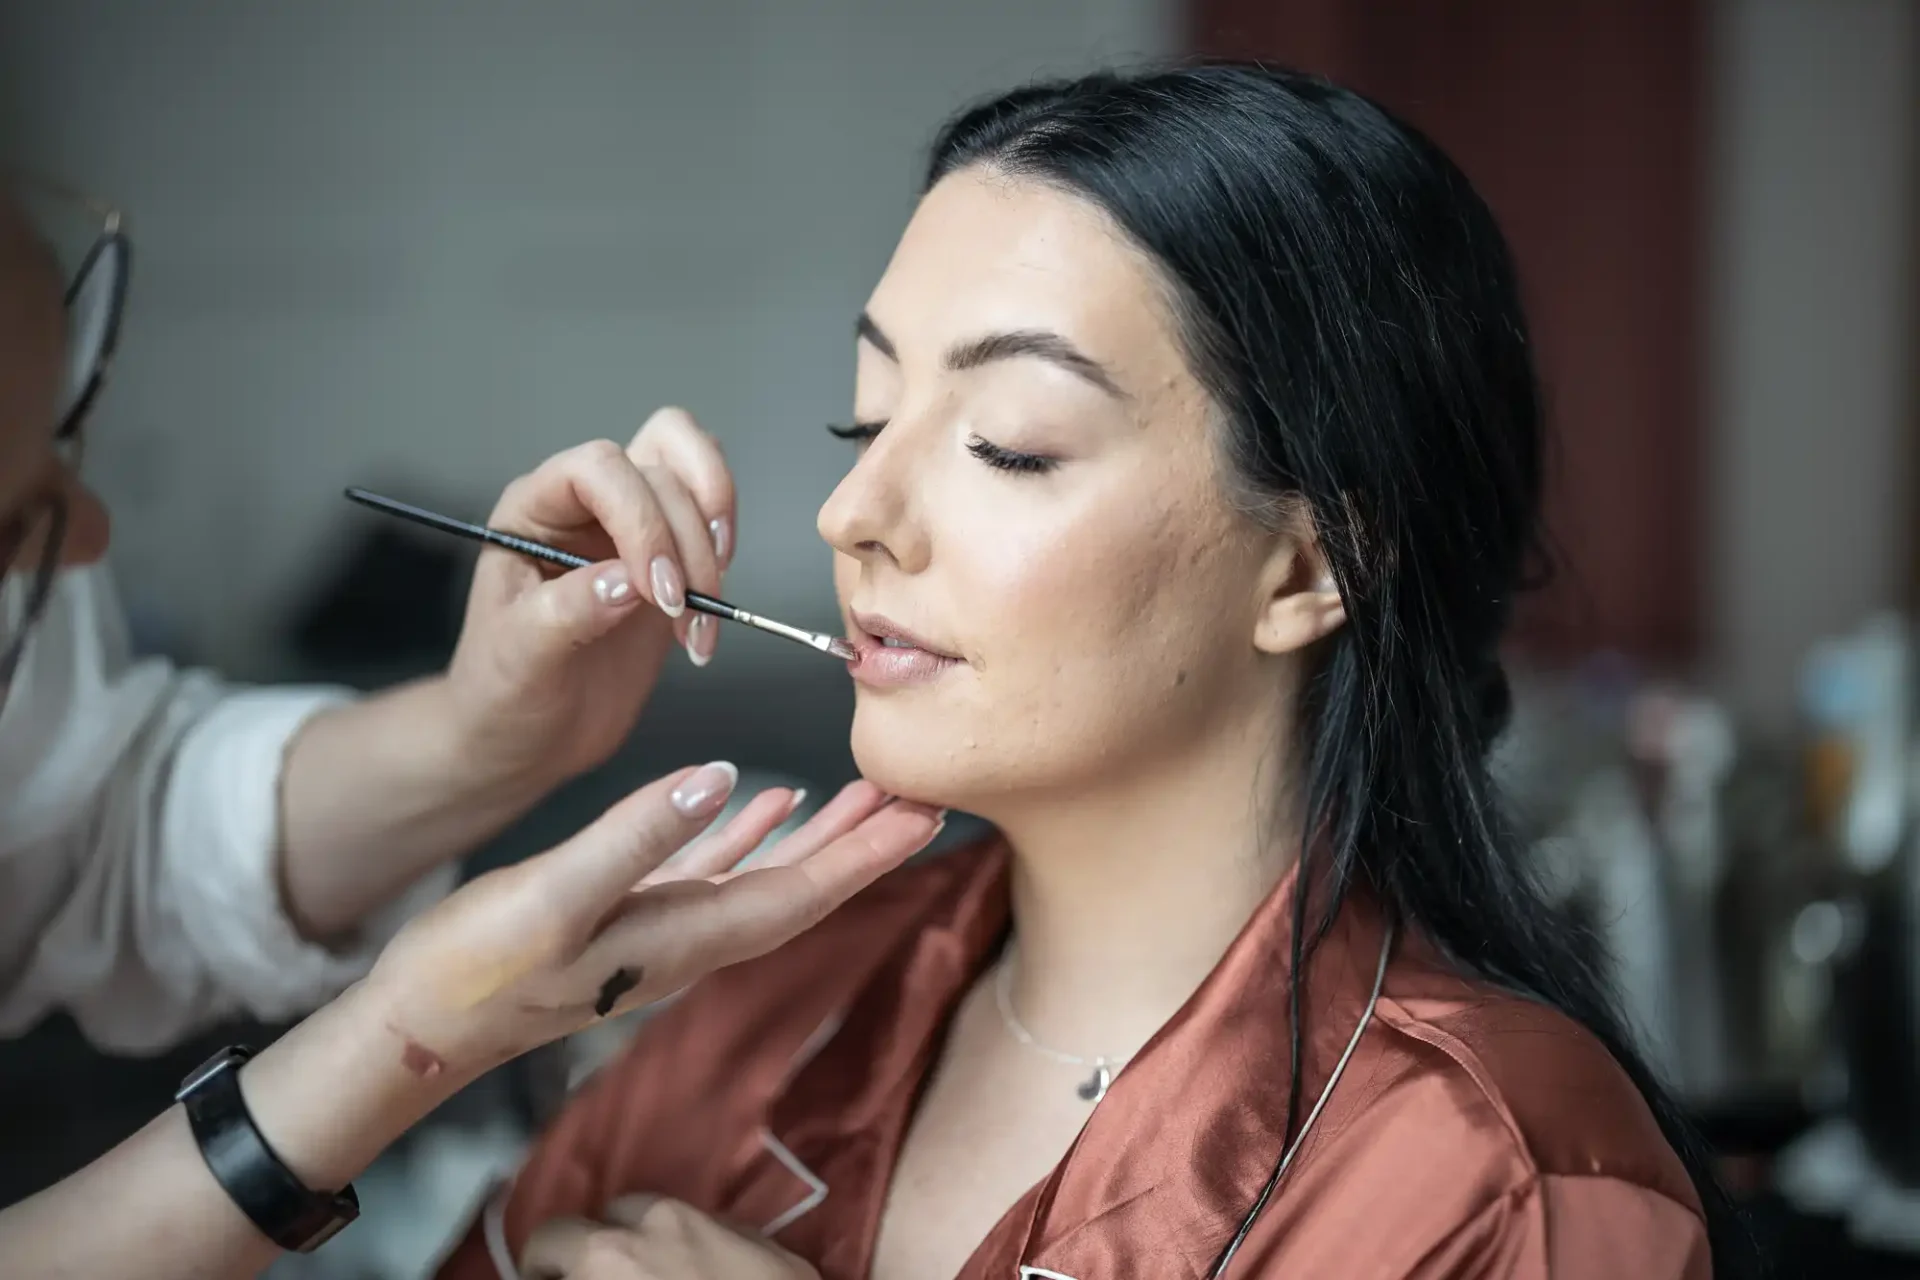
{"x": 513, "y": 542}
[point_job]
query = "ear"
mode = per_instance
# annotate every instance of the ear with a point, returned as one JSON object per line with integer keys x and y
{"x": 1299, "y": 601}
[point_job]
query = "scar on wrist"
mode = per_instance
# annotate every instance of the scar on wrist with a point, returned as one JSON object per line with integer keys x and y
{"x": 621, "y": 982}
{"x": 419, "y": 1059}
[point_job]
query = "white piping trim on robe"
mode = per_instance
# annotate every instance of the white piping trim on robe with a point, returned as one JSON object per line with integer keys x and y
{"x": 493, "y": 1229}
{"x": 816, "y": 1186}
{"x": 816, "y": 1189}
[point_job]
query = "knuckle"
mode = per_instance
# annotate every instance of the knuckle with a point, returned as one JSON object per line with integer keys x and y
{"x": 672, "y": 417}
{"x": 601, "y": 452}
{"x": 514, "y": 496}
{"x": 665, "y": 422}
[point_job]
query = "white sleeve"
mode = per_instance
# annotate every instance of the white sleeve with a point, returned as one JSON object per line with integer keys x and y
{"x": 139, "y": 831}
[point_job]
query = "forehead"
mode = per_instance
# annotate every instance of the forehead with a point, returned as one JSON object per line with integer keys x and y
{"x": 988, "y": 253}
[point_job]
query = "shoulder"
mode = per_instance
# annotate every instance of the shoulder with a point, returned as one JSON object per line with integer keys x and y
{"x": 1537, "y": 1090}
{"x": 1499, "y": 1137}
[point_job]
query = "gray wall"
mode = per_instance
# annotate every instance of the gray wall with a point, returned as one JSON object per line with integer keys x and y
{"x": 1813, "y": 350}
{"x": 426, "y": 243}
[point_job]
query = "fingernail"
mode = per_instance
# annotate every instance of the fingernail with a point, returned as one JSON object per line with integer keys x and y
{"x": 613, "y": 586}
{"x": 703, "y": 633}
{"x": 703, "y": 794}
{"x": 799, "y": 798}
{"x": 667, "y": 591}
{"x": 722, "y": 533}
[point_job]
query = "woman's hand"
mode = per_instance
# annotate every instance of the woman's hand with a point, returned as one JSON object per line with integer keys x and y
{"x": 598, "y": 925}
{"x": 649, "y": 1238}
{"x": 552, "y": 670}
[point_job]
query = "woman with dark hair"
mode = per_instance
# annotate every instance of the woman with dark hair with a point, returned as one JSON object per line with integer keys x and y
{"x": 1199, "y": 463}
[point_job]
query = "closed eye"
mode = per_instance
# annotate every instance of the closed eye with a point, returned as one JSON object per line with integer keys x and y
{"x": 995, "y": 456}
{"x": 1010, "y": 459}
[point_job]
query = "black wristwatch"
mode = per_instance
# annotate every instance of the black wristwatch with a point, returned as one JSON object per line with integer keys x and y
{"x": 286, "y": 1211}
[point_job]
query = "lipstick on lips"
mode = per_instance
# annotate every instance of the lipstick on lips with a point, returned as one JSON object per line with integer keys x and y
{"x": 890, "y": 655}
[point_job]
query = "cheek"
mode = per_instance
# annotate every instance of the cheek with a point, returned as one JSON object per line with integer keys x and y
{"x": 1112, "y": 643}
{"x": 1081, "y": 600}
{"x": 1087, "y": 654}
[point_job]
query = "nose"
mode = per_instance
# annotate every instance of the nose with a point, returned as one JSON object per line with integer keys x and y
{"x": 870, "y": 515}
{"x": 88, "y": 527}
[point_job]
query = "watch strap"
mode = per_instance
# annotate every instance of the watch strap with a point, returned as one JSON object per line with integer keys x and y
{"x": 285, "y": 1209}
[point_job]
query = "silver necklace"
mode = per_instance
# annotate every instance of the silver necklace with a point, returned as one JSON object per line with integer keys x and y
{"x": 1095, "y": 1086}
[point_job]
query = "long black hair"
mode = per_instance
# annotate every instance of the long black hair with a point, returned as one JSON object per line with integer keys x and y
{"x": 1350, "y": 304}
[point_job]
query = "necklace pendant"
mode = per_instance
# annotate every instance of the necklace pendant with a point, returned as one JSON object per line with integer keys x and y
{"x": 1094, "y": 1087}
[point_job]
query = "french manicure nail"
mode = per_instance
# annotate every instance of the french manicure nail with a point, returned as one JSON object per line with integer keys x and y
{"x": 703, "y": 633}
{"x": 704, "y": 794}
{"x": 722, "y": 538}
{"x": 799, "y": 798}
{"x": 613, "y": 586}
{"x": 668, "y": 592}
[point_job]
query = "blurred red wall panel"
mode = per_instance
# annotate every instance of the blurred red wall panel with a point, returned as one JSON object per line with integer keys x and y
{"x": 1583, "y": 123}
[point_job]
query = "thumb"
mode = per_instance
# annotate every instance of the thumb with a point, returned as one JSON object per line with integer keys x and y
{"x": 579, "y": 607}
{"x": 598, "y": 867}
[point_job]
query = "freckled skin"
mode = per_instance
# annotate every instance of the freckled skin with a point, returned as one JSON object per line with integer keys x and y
{"x": 1082, "y": 598}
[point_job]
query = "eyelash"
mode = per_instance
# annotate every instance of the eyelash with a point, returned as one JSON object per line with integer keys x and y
{"x": 988, "y": 452}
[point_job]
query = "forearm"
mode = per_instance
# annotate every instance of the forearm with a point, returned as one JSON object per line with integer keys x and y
{"x": 375, "y": 794}
{"x": 328, "y": 1096}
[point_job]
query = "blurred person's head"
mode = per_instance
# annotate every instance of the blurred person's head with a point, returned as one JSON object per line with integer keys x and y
{"x": 34, "y": 384}
{"x": 1198, "y": 408}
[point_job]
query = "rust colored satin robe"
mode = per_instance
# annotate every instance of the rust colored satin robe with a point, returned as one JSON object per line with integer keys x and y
{"x": 1472, "y": 1133}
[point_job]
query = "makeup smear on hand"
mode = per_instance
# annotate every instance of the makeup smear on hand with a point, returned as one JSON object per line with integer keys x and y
{"x": 622, "y": 981}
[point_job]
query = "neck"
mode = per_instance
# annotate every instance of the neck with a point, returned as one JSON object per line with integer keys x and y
{"x": 1126, "y": 897}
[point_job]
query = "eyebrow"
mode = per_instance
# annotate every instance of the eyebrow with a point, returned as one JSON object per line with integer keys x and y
{"x": 1040, "y": 344}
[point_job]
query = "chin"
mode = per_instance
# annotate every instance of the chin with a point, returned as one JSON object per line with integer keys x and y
{"x": 914, "y": 757}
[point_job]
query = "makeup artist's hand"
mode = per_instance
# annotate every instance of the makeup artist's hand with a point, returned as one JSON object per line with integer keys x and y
{"x": 651, "y": 1238}
{"x": 599, "y": 925}
{"x": 552, "y": 671}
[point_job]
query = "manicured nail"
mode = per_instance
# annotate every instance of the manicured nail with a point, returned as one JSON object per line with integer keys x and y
{"x": 722, "y": 533}
{"x": 668, "y": 592}
{"x": 613, "y": 586}
{"x": 705, "y": 793}
{"x": 799, "y": 798}
{"x": 703, "y": 633}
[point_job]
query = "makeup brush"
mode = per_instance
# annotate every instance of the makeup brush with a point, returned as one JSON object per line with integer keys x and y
{"x": 833, "y": 646}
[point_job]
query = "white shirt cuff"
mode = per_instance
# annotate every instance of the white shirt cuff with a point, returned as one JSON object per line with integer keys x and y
{"x": 220, "y": 860}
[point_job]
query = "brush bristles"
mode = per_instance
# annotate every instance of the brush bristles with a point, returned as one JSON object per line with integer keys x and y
{"x": 842, "y": 649}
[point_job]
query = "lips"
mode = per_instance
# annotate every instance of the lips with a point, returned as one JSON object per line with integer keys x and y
{"x": 890, "y": 655}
